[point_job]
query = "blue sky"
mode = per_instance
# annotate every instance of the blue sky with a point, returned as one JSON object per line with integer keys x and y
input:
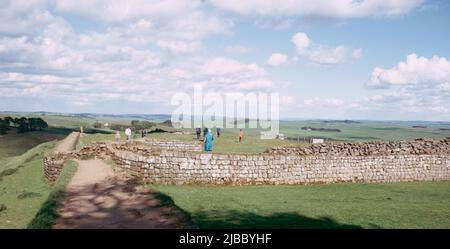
{"x": 338, "y": 59}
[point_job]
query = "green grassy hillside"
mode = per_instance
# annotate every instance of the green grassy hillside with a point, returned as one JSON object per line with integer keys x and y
{"x": 366, "y": 130}
{"x": 394, "y": 205}
{"x": 14, "y": 144}
{"x": 23, "y": 190}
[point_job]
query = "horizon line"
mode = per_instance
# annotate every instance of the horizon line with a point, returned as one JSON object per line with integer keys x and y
{"x": 281, "y": 119}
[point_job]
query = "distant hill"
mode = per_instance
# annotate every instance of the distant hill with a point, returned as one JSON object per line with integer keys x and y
{"x": 309, "y": 128}
{"x": 341, "y": 121}
{"x": 160, "y": 117}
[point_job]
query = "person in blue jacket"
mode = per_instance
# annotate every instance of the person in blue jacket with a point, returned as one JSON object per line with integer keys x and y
{"x": 209, "y": 141}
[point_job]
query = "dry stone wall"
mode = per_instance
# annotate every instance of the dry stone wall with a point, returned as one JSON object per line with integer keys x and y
{"x": 174, "y": 145}
{"x": 372, "y": 148}
{"x": 54, "y": 164}
{"x": 418, "y": 160}
{"x": 194, "y": 168}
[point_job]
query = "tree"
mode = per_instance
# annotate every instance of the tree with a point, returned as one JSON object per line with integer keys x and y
{"x": 37, "y": 124}
{"x": 4, "y": 126}
{"x": 134, "y": 122}
{"x": 97, "y": 125}
{"x": 140, "y": 125}
{"x": 42, "y": 124}
{"x": 22, "y": 125}
{"x": 9, "y": 120}
{"x": 32, "y": 124}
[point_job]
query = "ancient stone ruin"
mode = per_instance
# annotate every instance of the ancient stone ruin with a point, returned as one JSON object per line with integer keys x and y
{"x": 173, "y": 162}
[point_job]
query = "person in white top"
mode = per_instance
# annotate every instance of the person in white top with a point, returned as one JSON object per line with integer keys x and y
{"x": 128, "y": 133}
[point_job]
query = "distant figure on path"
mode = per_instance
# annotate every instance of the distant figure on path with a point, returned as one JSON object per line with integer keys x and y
{"x": 117, "y": 137}
{"x": 81, "y": 131}
{"x": 128, "y": 133}
{"x": 143, "y": 133}
{"x": 218, "y": 131}
{"x": 241, "y": 135}
{"x": 205, "y": 131}
{"x": 198, "y": 131}
{"x": 209, "y": 138}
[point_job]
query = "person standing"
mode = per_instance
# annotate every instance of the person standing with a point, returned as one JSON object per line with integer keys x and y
{"x": 128, "y": 133}
{"x": 117, "y": 137}
{"x": 209, "y": 139}
{"x": 218, "y": 131}
{"x": 198, "y": 131}
{"x": 241, "y": 135}
{"x": 205, "y": 131}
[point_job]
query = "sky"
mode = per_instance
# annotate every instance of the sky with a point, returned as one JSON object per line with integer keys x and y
{"x": 342, "y": 59}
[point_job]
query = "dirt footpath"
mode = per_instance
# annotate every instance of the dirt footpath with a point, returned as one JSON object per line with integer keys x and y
{"x": 95, "y": 198}
{"x": 68, "y": 144}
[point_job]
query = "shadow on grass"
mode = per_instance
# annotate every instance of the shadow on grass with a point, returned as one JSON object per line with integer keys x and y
{"x": 166, "y": 201}
{"x": 249, "y": 220}
{"x": 218, "y": 219}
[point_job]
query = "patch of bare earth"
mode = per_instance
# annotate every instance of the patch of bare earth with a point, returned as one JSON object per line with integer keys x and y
{"x": 67, "y": 144}
{"x": 96, "y": 198}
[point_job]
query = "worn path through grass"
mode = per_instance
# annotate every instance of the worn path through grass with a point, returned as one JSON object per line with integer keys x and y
{"x": 96, "y": 198}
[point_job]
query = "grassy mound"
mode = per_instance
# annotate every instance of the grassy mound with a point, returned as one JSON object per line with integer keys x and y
{"x": 23, "y": 189}
{"x": 48, "y": 213}
{"x": 10, "y": 165}
{"x": 15, "y": 144}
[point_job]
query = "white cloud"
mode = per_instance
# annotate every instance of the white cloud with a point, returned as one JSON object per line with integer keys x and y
{"x": 301, "y": 41}
{"x": 225, "y": 66}
{"x": 321, "y": 8}
{"x": 277, "y": 59}
{"x": 357, "y": 53}
{"x": 322, "y": 54}
{"x": 417, "y": 85}
{"x": 179, "y": 47}
{"x": 414, "y": 71}
{"x": 287, "y": 100}
{"x": 20, "y": 17}
{"x": 49, "y": 59}
{"x": 119, "y": 11}
{"x": 254, "y": 85}
{"x": 237, "y": 49}
{"x": 322, "y": 102}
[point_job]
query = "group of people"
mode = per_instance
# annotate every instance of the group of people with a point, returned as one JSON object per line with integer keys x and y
{"x": 198, "y": 131}
{"x": 208, "y": 137}
{"x": 130, "y": 134}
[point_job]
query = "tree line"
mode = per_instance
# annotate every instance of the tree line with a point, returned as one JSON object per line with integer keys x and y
{"x": 22, "y": 124}
{"x": 134, "y": 125}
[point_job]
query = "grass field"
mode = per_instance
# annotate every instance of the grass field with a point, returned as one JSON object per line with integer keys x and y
{"x": 68, "y": 120}
{"x": 14, "y": 144}
{"x": 26, "y": 200}
{"x": 366, "y": 130}
{"x": 48, "y": 213}
{"x": 227, "y": 143}
{"x": 23, "y": 189}
{"x": 394, "y": 205}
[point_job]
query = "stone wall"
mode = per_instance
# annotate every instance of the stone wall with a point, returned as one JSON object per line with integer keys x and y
{"x": 414, "y": 147}
{"x": 54, "y": 164}
{"x": 172, "y": 167}
{"x": 175, "y": 145}
{"x": 418, "y": 160}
